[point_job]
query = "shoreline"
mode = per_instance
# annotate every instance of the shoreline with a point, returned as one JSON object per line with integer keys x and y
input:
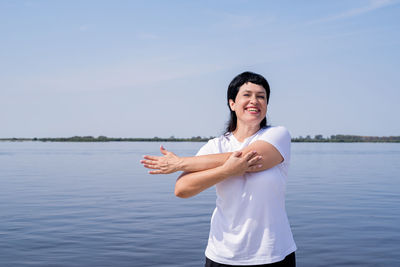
{"x": 308, "y": 139}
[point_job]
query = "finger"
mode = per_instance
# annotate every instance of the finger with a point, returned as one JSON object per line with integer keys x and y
{"x": 150, "y": 162}
{"x": 151, "y": 157}
{"x": 163, "y": 150}
{"x": 237, "y": 153}
{"x": 255, "y": 160}
{"x": 250, "y": 155}
{"x": 256, "y": 167}
{"x": 156, "y": 172}
{"x": 150, "y": 166}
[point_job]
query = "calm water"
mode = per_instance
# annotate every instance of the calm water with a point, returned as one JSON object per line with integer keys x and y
{"x": 92, "y": 204}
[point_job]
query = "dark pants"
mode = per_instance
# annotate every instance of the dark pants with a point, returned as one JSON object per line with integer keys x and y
{"x": 289, "y": 261}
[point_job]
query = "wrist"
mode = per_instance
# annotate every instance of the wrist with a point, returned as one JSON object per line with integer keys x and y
{"x": 182, "y": 164}
{"x": 225, "y": 172}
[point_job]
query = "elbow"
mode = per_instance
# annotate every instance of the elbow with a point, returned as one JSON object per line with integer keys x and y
{"x": 181, "y": 194}
{"x": 184, "y": 188}
{"x": 181, "y": 191}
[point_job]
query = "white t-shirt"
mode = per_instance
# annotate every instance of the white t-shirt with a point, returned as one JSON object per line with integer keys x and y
{"x": 249, "y": 225}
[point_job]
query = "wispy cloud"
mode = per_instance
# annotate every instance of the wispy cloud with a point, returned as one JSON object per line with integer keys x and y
{"x": 145, "y": 73}
{"x": 371, "y": 6}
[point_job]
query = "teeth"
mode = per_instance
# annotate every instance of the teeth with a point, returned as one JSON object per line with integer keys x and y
{"x": 252, "y": 109}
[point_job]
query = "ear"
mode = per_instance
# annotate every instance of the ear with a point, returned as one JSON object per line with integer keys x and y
{"x": 232, "y": 104}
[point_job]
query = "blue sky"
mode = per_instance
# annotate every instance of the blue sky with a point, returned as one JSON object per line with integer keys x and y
{"x": 161, "y": 68}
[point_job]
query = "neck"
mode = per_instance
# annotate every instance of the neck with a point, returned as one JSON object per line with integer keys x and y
{"x": 244, "y": 131}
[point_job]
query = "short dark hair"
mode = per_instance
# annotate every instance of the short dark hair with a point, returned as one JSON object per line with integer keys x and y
{"x": 233, "y": 89}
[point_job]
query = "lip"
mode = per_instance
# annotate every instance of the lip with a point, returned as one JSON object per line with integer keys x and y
{"x": 253, "y": 112}
{"x": 252, "y": 107}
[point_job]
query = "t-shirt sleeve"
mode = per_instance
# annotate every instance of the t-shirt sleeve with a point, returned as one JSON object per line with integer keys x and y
{"x": 280, "y": 138}
{"x": 207, "y": 149}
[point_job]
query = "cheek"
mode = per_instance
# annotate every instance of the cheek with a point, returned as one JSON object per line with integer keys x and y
{"x": 241, "y": 102}
{"x": 236, "y": 105}
{"x": 265, "y": 108}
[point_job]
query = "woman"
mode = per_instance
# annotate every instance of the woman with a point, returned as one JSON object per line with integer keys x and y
{"x": 248, "y": 165}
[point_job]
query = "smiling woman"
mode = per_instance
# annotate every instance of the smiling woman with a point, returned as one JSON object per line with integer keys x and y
{"x": 249, "y": 166}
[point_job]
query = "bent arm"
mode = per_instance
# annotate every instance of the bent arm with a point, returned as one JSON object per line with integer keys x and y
{"x": 270, "y": 156}
{"x": 205, "y": 162}
{"x": 190, "y": 184}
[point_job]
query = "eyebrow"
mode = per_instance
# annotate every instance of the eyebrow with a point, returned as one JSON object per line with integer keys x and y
{"x": 248, "y": 91}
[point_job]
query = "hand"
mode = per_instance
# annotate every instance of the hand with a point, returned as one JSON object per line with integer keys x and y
{"x": 237, "y": 164}
{"x": 168, "y": 163}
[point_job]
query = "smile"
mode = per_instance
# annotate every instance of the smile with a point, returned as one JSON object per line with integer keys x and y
{"x": 252, "y": 110}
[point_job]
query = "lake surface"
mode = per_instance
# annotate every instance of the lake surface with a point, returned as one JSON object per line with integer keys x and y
{"x": 93, "y": 204}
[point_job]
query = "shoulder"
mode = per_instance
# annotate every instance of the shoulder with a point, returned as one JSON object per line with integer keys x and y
{"x": 275, "y": 132}
{"x": 279, "y": 137}
{"x": 212, "y": 146}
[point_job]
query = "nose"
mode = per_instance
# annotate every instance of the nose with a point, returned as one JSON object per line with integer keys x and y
{"x": 253, "y": 99}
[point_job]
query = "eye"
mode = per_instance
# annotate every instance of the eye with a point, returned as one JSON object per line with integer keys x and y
{"x": 246, "y": 95}
{"x": 261, "y": 96}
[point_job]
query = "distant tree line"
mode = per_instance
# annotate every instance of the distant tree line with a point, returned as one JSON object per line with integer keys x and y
{"x": 110, "y": 139}
{"x": 339, "y": 138}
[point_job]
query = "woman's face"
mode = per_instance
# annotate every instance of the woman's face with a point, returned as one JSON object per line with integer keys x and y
{"x": 250, "y": 104}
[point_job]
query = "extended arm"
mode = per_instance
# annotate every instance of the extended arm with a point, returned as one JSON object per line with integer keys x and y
{"x": 268, "y": 157}
{"x": 170, "y": 162}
